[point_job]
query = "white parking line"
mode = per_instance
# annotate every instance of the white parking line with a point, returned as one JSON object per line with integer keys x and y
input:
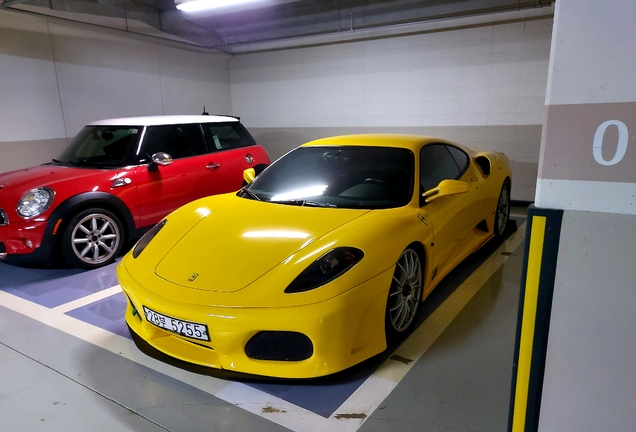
{"x": 105, "y": 339}
{"x": 347, "y": 418}
{"x": 88, "y": 299}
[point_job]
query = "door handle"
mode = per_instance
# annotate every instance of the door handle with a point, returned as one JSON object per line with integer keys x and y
{"x": 212, "y": 166}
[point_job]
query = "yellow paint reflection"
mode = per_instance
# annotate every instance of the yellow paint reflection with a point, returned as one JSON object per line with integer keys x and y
{"x": 276, "y": 234}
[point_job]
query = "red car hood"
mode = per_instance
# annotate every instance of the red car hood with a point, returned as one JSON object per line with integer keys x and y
{"x": 14, "y": 184}
{"x": 44, "y": 175}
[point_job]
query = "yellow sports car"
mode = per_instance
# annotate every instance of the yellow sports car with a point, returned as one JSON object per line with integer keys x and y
{"x": 318, "y": 261}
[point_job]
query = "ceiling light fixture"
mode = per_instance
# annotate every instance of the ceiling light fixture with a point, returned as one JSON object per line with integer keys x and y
{"x": 199, "y": 5}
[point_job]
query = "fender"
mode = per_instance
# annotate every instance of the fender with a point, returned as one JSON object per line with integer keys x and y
{"x": 86, "y": 200}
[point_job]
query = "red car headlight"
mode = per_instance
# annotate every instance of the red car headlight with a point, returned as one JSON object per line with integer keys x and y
{"x": 35, "y": 202}
{"x": 329, "y": 266}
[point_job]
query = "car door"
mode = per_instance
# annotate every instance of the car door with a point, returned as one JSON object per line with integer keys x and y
{"x": 236, "y": 151}
{"x": 191, "y": 175}
{"x": 449, "y": 216}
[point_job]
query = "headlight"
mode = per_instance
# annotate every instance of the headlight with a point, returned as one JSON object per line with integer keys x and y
{"x": 143, "y": 242}
{"x": 325, "y": 269}
{"x": 35, "y": 202}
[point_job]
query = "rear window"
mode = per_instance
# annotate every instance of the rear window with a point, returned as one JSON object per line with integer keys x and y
{"x": 226, "y": 136}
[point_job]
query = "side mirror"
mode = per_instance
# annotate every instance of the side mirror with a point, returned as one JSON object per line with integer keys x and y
{"x": 159, "y": 159}
{"x": 446, "y": 187}
{"x": 249, "y": 175}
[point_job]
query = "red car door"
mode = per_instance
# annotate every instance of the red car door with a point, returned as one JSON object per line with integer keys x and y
{"x": 193, "y": 173}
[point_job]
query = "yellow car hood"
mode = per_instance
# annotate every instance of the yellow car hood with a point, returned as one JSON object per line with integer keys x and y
{"x": 242, "y": 240}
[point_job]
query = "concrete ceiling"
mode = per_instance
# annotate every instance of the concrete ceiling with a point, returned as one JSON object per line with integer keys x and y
{"x": 269, "y": 21}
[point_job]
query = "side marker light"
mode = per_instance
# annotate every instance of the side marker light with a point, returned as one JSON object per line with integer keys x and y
{"x": 57, "y": 225}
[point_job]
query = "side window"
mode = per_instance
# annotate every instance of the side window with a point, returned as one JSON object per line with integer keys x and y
{"x": 179, "y": 141}
{"x": 436, "y": 164}
{"x": 226, "y": 136}
{"x": 460, "y": 157}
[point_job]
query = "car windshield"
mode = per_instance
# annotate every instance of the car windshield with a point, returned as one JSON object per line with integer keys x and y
{"x": 107, "y": 146}
{"x": 347, "y": 176}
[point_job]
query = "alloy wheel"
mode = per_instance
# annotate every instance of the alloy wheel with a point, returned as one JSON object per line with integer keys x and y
{"x": 95, "y": 239}
{"x": 406, "y": 291}
{"x": 503, "y": 210}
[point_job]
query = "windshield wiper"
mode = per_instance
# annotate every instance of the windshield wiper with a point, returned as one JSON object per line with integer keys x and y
{"x": 57, "y": 161}
{"x": 305, "y": 203}
{"x": 90, "y": 162}
{"x": 249, "y": 193}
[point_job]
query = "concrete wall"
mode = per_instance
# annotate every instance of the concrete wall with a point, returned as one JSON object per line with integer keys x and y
{"x": 590, "y": 373}
{"x": 55, "y": 78}
{"x": 483, "y": 86}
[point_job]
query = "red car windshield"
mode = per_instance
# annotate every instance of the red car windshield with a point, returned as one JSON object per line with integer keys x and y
{"x": 108, "y": 146}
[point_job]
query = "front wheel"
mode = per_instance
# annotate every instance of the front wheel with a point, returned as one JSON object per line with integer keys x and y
{"x": 502, "y": 214}
{"x": 405, "y": 295}
{"x": 92, "y": 239}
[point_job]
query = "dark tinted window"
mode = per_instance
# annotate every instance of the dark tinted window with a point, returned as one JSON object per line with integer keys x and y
{"x": 460, "y": 157}
{"x": 101, "y": 146}
{"x": 348, "y": 176}
{"x": 179, "y": 141}
{"x": 436, "y": 164}
{"x": 226, "y": 136}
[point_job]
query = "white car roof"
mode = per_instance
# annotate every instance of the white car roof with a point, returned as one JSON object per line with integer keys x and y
{"x": 163, "y": 120}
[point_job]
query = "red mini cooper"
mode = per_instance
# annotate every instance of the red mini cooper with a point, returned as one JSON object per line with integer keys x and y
{"x": 115, "y": 180}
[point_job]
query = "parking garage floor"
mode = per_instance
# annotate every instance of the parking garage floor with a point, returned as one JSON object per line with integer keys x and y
{"x": 67, "y": 363}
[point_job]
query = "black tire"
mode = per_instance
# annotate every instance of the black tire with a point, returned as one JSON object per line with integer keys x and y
{"x": 100, "y": 231}
{"x": 406, "y": 291}
{"x": 502, "y": 214}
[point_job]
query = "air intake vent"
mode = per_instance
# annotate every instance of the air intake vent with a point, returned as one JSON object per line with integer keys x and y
{"x": 279, "y": 345}
{"x": 4, "y": 219}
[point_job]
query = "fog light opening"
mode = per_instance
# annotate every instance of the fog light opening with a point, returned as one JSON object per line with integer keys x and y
{"x": 279, "y": 346}
{"x": 28, "y": 243}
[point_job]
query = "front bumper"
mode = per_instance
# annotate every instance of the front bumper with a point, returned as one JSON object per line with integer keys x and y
{"x": 344, "y": 330}
{"x": 24, "y": 242}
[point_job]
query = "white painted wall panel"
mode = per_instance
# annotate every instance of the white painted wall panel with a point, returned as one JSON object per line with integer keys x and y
{"x": 490, "y": 75}
{"x": 103, "y": 75}
{"x": 585, "y": 68}
{"x": 30, "y": 107}
{"x": 192, "y": 79}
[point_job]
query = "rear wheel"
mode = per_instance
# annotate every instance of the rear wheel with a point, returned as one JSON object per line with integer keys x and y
{"x": 503, "y": 210}
{"x": 405, "y": 294}
{"x": 92, "y": 239}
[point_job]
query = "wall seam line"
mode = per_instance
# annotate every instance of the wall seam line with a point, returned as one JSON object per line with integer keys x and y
{"x": 57, "y": 79}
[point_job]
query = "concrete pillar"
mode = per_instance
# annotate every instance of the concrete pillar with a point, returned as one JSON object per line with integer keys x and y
{"x": 587, "y": 168}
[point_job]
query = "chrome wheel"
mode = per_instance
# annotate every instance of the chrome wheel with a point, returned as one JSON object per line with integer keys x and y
{"x": 95, "y": 239}
{"x": 405, "y": 293}
{"x": 503, "y": 210}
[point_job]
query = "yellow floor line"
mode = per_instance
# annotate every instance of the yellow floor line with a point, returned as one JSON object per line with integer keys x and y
{"x": 533, "y": 275}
